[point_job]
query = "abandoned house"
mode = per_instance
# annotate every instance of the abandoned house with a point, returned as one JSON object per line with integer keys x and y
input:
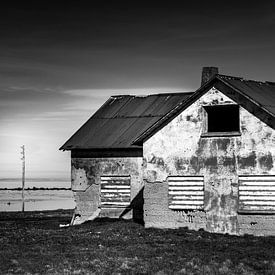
{"x": 205, "y": 160}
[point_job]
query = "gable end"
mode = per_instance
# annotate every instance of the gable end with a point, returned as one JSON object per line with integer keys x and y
{"x": 220, "y": 84}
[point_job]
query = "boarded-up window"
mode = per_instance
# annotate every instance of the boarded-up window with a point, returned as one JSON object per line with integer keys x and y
{"x": 186, "y": 192}
{"x": 256, "y": 193}
{"x": 115, "y": 191}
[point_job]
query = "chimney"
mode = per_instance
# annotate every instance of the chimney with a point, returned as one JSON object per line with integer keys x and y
{"x": 208, "y": 73}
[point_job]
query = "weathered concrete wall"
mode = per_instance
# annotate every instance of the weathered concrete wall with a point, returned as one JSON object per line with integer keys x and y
{"x": 180, "y": 149}
{"x": 86, "y": 173}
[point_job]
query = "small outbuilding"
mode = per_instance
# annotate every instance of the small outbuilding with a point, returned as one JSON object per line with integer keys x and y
{"x": 106, "y": 165}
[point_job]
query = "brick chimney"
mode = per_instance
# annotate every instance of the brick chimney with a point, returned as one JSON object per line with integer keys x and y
{"x": 208, "y": 73}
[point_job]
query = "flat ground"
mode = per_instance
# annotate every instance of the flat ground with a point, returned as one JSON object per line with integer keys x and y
{"x": 34, "y": 243}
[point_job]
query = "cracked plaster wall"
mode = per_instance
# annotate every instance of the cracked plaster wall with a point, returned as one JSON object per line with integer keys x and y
{"x": 179, "y": 149}
{"x": 86, "y": 173}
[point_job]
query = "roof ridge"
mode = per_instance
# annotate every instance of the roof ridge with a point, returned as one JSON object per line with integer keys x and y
{"x": 246, "y": 80}
{"x": 217, "y": 78}
{"x": 148, "y": 95}
{"x": 128, "y": 116}
{"x": 171, "y": 93}
{"x": 229, "y": 76}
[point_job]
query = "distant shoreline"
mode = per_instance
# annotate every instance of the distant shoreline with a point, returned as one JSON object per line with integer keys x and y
{"x": 37, "y": 179}
{"x": 34, "y": 189}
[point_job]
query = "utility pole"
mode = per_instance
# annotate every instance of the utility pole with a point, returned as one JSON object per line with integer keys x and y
{"x": 23, "y": 177}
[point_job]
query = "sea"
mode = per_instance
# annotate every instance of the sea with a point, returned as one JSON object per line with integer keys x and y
{"x": 40, "y": 194}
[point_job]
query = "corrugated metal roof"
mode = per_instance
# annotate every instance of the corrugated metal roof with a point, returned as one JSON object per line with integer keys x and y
{"x": 262, "y": 93}
{"x": 125, "y": 119}
{"x": 122, "y": 119}
{"x": 258, "y": 93}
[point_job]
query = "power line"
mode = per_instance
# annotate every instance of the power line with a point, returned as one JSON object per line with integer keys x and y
{"x": 23, "y": 176}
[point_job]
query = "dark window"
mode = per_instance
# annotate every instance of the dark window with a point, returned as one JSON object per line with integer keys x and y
{"x": 223, "y": 118}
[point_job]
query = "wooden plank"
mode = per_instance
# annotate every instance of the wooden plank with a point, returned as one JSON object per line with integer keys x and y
{"x": 115, "y": 195}
{"x": 115, "y": 186}
{"x": 257, "y": 178}
{"x": 198, "y": 193}
{"x": 271, "y": 203}
{"x": 112, "y": 186}
{"x": 186, "y": 188}
{"x": 257, "y": 207}
{"x": 257, "y": 183}
{"x": 114, "y": 200}
{"x": 115, "y": 191}
{"x": 183, "y": 179}
{"x": 188, "y": 183}
{"x": 186, "y": 202}
{"x": 112, "y": 206}
{"x": 257, "y": 198}
{"x": 115, "y": 203}
{"x": 185, "y": 207}
{"x": 115, "y": 180}
{"x": 186, "y": 197}
{"x": 255, "y": 193}
{"x": 257, "y": 188}
{"x": 115, "y": 177}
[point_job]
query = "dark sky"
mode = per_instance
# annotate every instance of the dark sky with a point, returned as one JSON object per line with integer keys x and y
{"x": 60, "y": 60}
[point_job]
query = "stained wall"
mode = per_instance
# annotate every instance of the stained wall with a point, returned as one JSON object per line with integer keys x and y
{"x": 86, "y": 173}
{"x": 180, "y": 148}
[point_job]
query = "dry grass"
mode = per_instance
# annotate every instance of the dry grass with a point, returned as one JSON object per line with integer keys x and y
{"x": 34, "y": 243}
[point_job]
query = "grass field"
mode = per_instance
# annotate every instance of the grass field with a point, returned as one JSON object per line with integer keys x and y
{"x": 33, "y": 243}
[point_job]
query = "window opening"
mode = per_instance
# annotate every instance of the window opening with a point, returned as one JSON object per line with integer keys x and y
{"x": 223, "y": 118}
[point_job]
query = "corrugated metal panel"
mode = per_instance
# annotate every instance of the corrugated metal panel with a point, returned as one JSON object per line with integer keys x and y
{"x": 261, "y": 92}
{"x": 125, "y": 138}
{"x": 112, "y": 106}
{"x": 121, "y": 120}
{"x": 139, "y": 106}
{"x": 115, "y": 191}
{"x": 186, "y": 192}
{"x": 124, "y": 118}
{"x": 257, "y": 193}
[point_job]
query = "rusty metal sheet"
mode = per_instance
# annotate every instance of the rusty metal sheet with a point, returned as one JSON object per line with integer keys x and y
{"x": 121, "y": 120}
{"x": 256, "y": 193}
{"x": 186, "y": 192}
{"x": 115, "y": 191}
